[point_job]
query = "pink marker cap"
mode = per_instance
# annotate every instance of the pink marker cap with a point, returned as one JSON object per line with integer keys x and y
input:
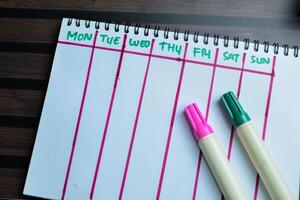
{"x": 198, "y": 123}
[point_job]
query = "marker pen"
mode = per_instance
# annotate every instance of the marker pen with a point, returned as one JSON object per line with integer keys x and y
{"x": 256, "y": 149}
{"x": 214, "y": 155}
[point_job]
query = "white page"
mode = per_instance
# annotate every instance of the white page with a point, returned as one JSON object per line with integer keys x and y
{"x": 125, "y": 106}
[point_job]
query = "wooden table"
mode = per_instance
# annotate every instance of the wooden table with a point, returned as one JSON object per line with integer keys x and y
{"x": 28, "y": 34}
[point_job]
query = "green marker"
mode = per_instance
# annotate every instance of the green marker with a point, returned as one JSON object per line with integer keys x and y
{"x": 256, "y": 149}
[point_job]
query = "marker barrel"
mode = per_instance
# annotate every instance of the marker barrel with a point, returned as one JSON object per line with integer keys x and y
{"x": 220, "y": 168}
{"x": 263, "y": 163}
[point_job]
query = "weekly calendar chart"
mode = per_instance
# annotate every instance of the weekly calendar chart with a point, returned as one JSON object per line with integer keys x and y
{"x": 113, "y": 124}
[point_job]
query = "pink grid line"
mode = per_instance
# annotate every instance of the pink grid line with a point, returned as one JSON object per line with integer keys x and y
{"x": 79, "y": 118}
{"x": 162, "y": 173}
{"x": 238, "y": 96}
{"x": 76, "y": 44}
{"x": 197, "y": 175}
{"x": 167, "y": 58}
{"x": 136, "y": 122}
{"x": 266, "y": 119}
{"x": 108, "y": 118}
{"x": 206, "y": 117}
{"x": 211, "y": 85}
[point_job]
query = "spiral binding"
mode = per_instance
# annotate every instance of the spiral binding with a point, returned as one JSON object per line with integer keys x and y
{"x": 166, "y": 33}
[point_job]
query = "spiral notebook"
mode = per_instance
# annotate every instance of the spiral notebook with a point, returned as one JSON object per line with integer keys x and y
{"x": 113, "y": 127}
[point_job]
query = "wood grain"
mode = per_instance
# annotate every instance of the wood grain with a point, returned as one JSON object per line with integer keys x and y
{"x": 16, "y": 141}
{"x": 45, "y": 31}
{"x": 38, "y": 30}
{"x": 25, "y": 65}
{"x": 21, "y": 102}
{"x": 267, "y": 8}
{"x": 11, "y": 183}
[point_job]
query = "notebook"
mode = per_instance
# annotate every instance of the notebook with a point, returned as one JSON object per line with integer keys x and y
{"x": 113, "y": 126}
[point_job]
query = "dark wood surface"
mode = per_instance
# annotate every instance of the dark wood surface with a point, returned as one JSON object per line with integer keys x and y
{"x": 29, "y": 30}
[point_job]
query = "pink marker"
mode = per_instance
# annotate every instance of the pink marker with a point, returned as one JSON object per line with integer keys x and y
{"x": 214, "y": 155}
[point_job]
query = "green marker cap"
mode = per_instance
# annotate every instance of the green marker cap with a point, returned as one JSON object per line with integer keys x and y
{"x": 234, "y": 109}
